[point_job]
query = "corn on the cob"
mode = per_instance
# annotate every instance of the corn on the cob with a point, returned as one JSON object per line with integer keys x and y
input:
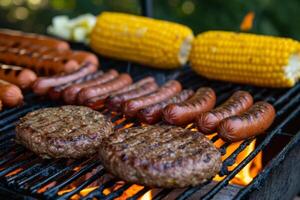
{"x": 247, "y": 58}
{"x": 146, "y": 41}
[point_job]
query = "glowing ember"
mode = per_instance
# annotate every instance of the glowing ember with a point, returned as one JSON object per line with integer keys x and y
{"x": 119, "y": 121}
{"x": 247, "y": 22}
{"x": 46, "y": 187}
{"x": 14, "y": 172}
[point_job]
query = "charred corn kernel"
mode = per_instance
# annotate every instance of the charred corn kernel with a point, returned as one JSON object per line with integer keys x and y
{"x": 247, "y": 58}
{"x": 143, "y": 40}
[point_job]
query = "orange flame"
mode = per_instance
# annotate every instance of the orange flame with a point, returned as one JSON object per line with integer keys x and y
{"x": 247, "y": 22}
{"x": 246, "y": 175}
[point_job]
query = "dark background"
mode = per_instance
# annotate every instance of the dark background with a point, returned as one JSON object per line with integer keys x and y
{"x": 275, "y": 17}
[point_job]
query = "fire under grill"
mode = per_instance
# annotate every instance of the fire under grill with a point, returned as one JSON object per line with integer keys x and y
{"x": 25, "y": 175}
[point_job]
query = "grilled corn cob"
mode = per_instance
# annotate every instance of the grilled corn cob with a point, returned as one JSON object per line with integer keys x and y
{"x": 146, "y": 41}
{"x": 247, "y": 58}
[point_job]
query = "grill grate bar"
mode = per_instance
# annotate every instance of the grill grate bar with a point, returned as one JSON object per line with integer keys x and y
{"x": 10, "y": 157}
{"x": 35, "y": 187}
{"x": 118, "y": 192}
{"x": 15, "y": 166}
{"x": 162, "y": 194}
{"x": 23, "y": 181}
{"x": 190, "y": 191}
{"x": 55, "y": 189}
{"x": 82, "y": 186}
{"x": 139, "y": 193}
{"x": 99, "y": 192}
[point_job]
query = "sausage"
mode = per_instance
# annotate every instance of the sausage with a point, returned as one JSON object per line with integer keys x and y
{"x": 55, "y": 93}
{"x": 41, "y": 63}
{"x": 116, "y": 101}
{"x": 238, "y": 103}
{"x": 168, "y": 90}
{"x": 131, "y": 87}
{"x": 43, "y": 84}
{"x": 17, "y": 36}
{"x": 24, "y": 78}
{"x": 0, "y": 105}
{"x": 71, "y": 92}
{"x": 153, "y": 114}
{"x": 83, "y": 56}
{"x": 10, "y": 95}
{"x": 186, "y": 112}
{"x": 251, "y": 123}
{"x": 98, "y": 90}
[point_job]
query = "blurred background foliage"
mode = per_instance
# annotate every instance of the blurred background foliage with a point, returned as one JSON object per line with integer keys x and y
{"x": 274, "y": 17}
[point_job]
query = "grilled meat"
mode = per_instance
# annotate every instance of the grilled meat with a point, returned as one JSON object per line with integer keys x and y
{"x": 67, "y": 131}
{"x": 160, "y": 156}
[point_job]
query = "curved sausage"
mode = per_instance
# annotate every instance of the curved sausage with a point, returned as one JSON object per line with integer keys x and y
{"x": 238, "y": 103}
{"x": 17, "y": 36}
{"x": 43, "y": 84}
{"x": 55, "y": 93}
{"x": 71, "y": 92}
{"x": 153, "y": 114}
{"x": 10, "y": 94}
{"x": 251, "y": 123}
{"x": 24, "y": 78}
{"x": 168, "y": 90}
{"x": 184, "y": 113}
{"x": 83, "y": 57}
{"x": 115, "y": 102}
{"x": 131, "y": 87}
{"x": 98, "y": 90}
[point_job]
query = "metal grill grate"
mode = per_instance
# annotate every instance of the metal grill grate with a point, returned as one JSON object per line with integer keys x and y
{"x": 23, "y": 172}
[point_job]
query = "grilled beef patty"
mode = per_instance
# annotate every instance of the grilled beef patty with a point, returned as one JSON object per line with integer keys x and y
{"x": 160, "y": 156}
{"x": 67, "y": 131}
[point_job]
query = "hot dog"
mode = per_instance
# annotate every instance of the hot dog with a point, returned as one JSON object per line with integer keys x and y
{"x": 55, "y": 93}
{"x": 251, "y": 123}
{"x": 168, "y": 90}
{"x": 42, "y": 64}
{"x": 83, "y": 56}
{"x": 186, "y": 112}
{"x": 24, "y": 78}
{"x": 71, "y": 92}
{"x": 17, "y": 36}
{"x": 238, "y": 103}
{"x": 10, "y": 94}
{"x": 121, "y": 81}
{"x": 153, "y": 114}
{"x": 115, "y": 102}
{"x": 43, "y": 84}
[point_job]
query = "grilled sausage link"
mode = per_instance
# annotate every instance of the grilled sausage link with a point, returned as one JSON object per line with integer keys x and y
{"x": 10, "y": 94}
{"x": 43, "y": 84}
{"x": 251, "y": 123}
{"x": 41, "y": 63}
{"x": 83, "y": 57}
{"x": 153, "y": 114}
{"x": 71, "y": 92}
{"x": 115, "y": 102}
{"x": 34, "y": 39}
{"x": 238, "y": 103}
{"x": 24, "y": 78}
{"x": 168, "y": 90}
{"x": 119, "y": 82}
{"x": 186, "y": 112}
{"x": 55, "y": 93}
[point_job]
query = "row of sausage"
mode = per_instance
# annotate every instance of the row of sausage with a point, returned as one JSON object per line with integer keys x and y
{"x": 236, "y": 119}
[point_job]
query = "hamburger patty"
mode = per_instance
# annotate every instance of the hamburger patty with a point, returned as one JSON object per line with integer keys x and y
{"x": 160, "y": 156}
{"x": 67, "y": 131}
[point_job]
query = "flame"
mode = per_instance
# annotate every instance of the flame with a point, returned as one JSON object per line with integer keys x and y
{"x": 14, "y": 172}
{"x": 246, "y": 175}
{"x": 247, "y": 22}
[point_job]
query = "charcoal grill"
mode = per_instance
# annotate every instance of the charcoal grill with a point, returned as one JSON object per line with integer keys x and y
{"x": 25, "y": 175}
